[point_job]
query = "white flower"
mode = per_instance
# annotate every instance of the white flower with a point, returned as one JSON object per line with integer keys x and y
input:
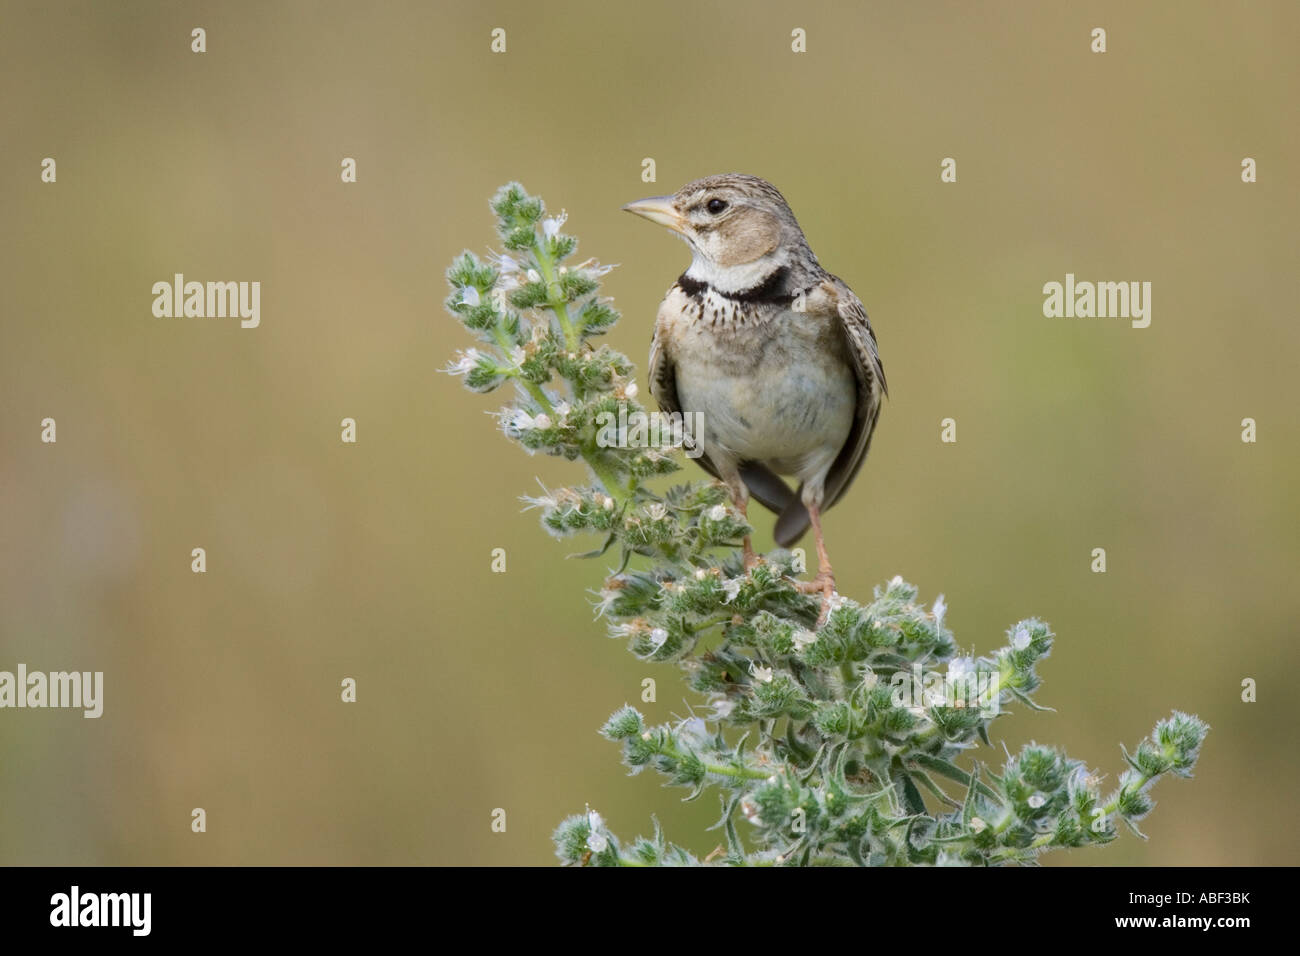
{"x": 731, "y": 588}
{"x": 1036, "y": 800}
{"x": 562, "y": 409}
{"x": 519, "y": 420}
{"x": 657, "y": 637}
{"x": 469, "y": 296}
{"x": 607, "y": 502}
{"x": 1082, "y": 779}
{"x": 722, "y": 708}
{"x": 607, "y": 599}
{"x": 750, "y": 810}
{"x": 534, "y": 276}
{"x": 940, "y": 609}
{"x": 701, "y": 574}
{"x": 517, "y": 355}
{"x": 545, "y": 501}
{"x": 597, "y": 840}
{"x": 542, "y": 421}
{"x": 627, "y": 629}
{"x": 895, "y": 582}
{"x": 694, "y": 731}
{"x": 465, "y": 361}
{"x": 760, "y": 673}
{"x": 657, "y": 511}
{"x": 507, "y": 265}
{"x": 548, "y": 499}
{"x": 631, "y": 390}
{"x": 595, "y": 270}
{"x": 959, "y": 668}
{"x": 552, "y": 225}
{"x": 1020, "y": 640}
{"x": 717, "y": 512}
{"x": 803, "y": 637}
{"x": 977, "y": 824}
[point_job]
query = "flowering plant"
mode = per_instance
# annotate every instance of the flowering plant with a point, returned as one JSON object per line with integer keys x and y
{"x": 837, "y": 743}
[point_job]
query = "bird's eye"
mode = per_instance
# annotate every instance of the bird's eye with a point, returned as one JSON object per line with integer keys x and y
{"x": 716, "y": 206}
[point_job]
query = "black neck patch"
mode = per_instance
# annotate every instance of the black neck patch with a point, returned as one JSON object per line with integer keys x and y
{"x": 771, "y": 290}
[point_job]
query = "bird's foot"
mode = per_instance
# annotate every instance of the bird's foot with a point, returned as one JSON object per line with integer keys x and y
{"x": 826, "y": 609}
{"x": 751, "y": 559}
{"x": 823, "y": 584}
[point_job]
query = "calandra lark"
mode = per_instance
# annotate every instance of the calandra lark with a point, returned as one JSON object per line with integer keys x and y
{"x": 774, "y": 353}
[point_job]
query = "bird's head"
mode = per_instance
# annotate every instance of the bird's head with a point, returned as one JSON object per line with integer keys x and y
{"x": 740, "y": 229}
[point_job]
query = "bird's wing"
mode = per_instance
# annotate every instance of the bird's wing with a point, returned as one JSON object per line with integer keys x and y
{"x": 872, "y": 388}
{"x": 663, "y": 376}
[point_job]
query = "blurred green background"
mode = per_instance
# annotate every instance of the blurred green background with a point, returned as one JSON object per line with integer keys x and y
{"x": 480, "y": 690}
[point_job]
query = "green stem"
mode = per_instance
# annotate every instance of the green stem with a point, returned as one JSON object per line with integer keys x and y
{"x": 849, "y": 674}
{"x": 538, "y": 395}
{"x": 608, "y": 477}
{"x": 711, "y": 622}
{"x": 1045, "y": 840}
{"x": 738, "y": 773}
{"x": 546, "y": 267}
{"x": 531, "y": 388}
{"x": 615, "y": 488}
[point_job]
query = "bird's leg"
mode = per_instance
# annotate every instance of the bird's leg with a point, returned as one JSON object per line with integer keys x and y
{"x": 751, "y": 559}
{"x": 825, "y": 580}
{"x": 740, "y": 498}
{"x": 824, "y": 571}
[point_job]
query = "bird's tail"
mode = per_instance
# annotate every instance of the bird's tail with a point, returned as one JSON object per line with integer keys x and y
{"x": 792, "y": 522}
{"x": 767, "y": 488}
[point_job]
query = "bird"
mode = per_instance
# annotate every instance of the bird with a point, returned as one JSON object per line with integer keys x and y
{"x": 773, "y": 354}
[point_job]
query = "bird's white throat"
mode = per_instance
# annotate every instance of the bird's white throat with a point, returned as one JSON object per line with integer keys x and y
{"x": 735, "y": 278}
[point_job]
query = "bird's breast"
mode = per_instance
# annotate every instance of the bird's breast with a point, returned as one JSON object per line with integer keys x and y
{"x": 776, "y": 387}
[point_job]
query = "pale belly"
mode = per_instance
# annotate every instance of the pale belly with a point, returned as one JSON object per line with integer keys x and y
{"x": 784, "y": 405}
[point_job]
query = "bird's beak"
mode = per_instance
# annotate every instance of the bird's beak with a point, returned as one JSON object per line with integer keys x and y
{"x": 658, "y": 209}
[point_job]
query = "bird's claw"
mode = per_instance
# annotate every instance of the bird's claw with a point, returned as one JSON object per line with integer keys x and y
{"x": 823, "y": 584}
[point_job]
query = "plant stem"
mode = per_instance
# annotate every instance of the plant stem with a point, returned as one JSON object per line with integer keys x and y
{"x": 607, "y": 477}
{"x": 531, "y": 388}
{"x": 738, "y": 773}
{"x": 557, "y": 305}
